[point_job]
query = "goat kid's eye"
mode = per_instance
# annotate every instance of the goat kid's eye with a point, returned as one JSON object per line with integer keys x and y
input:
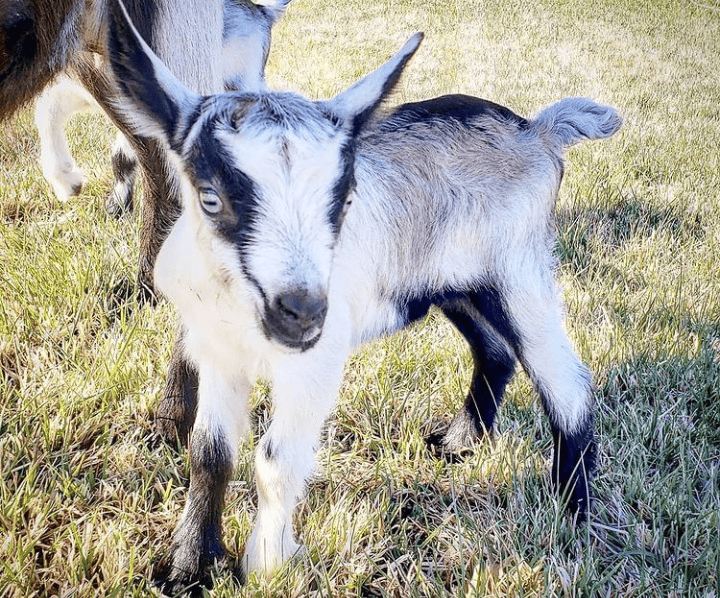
{"x": 210, "y": 201}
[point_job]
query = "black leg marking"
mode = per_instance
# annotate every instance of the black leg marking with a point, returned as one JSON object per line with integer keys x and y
{"x": 573, "y": 466}
{"x": 197, "y": 543}
{"x": 124, "y": 167}
{"x": 175, "y": 414}
{"x": 494, "y": 367}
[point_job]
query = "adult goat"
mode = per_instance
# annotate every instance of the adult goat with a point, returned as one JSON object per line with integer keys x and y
{"x": 246, "y": 45}
{"x": 39, "y": 39}
{"x": 308, "y": 228}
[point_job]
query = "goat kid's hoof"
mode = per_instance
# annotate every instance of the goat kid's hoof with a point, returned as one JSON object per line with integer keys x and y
{"x": 452, "y": 447}
{"x": 170, "y": 581}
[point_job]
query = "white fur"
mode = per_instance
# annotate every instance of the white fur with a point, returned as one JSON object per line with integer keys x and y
{"x": 52, "y": 109}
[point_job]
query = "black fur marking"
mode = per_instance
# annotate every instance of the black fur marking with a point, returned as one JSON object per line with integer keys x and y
{"x": 212, "y": 165}
{"x": 268, "y": 451}
{"x": 486, "y": 300}
{"x": 494, "y": 361}
{"x": 183, "y": 128}
{"x": 462, "y": 108}
{"x": 144, "y": 16}
{"x": 361, "y": 119}
{"x": 124, "y": 168}
{"x": 135, "y": 74}
{"x": 123, "y": 165}
{"x": 343, "y": 187}
{"x": 573, "y": 465}
{"x": 20, "y": 42}
{"x": 494, "y": 367}
{"x": 197, "y": 543}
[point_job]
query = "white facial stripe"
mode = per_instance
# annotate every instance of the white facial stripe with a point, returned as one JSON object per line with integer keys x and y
{"x": 294, "y": 178}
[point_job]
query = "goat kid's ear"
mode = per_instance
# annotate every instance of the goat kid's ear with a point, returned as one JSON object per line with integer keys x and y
{"x": 153, "y": 100}
{"x": 357, "y": 103}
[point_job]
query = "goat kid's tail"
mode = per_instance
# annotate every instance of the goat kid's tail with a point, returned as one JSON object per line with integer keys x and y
{"x": 573, "y": 119}
{"x": 274, "y": 8}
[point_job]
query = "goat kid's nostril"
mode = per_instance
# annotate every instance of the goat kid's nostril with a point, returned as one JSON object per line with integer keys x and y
{"x": 302, "y": 309}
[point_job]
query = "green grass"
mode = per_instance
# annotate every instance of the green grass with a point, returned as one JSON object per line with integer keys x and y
{"x": 88, "y": 498}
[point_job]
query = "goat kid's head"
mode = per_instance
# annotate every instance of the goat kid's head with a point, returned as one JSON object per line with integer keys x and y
{"x": 265, "y": 176}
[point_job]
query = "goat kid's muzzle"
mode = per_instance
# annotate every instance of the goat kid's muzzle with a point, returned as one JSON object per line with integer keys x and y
{"x": 295, "y": 318}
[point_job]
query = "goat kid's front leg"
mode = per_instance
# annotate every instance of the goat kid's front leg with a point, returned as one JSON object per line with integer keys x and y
{"x": 222, "y": 418}
{"x": 285, "y": 458}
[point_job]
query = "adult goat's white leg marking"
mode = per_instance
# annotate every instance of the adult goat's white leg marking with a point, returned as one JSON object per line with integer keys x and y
{"x": 53, "y": 108}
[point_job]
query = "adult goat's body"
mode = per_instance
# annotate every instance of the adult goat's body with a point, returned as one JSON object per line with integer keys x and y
{"x": 309, "y": 228}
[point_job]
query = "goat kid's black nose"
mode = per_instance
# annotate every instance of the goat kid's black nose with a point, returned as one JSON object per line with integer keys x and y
{"x": 302, "y": 309}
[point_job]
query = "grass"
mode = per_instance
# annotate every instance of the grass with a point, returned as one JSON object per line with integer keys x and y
{"x": 88, "y": 497}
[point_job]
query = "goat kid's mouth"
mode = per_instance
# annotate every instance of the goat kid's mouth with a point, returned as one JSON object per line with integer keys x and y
{"x": 295, "y": 319}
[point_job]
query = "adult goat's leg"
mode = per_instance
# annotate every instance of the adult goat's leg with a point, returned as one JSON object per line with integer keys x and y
{"x": 176, "y": 411}
{"x": 124, "y": 165}
{"x": 175, "y": 414}
{"x": 161, "y": 205}
{"x": 52, "y": 109}
{"x": 160, "y": 209}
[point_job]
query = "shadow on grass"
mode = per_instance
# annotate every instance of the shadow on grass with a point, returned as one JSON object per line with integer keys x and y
{"x": 585, "y": 235}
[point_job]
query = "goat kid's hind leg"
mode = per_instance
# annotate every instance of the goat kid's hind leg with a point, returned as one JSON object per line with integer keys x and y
{"x": 175, "y": 415}
{"x": 52, "y": 109}
{"x": 564, "y": 385}
{"x": 222, "y": 418}
{"x": 479, "y": 319}
{"x": 285, "y": 457}
{"x": 124, "y": 165}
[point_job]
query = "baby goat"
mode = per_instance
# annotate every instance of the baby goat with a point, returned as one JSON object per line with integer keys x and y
{"x": 308, "y": 228}
{"x": 246, "y": 45}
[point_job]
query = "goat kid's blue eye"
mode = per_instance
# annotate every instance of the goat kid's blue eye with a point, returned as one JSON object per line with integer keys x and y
{"x": 210, "y": 201}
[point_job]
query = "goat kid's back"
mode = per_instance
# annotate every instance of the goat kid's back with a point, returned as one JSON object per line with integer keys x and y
{"x": 455, "y": 192}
